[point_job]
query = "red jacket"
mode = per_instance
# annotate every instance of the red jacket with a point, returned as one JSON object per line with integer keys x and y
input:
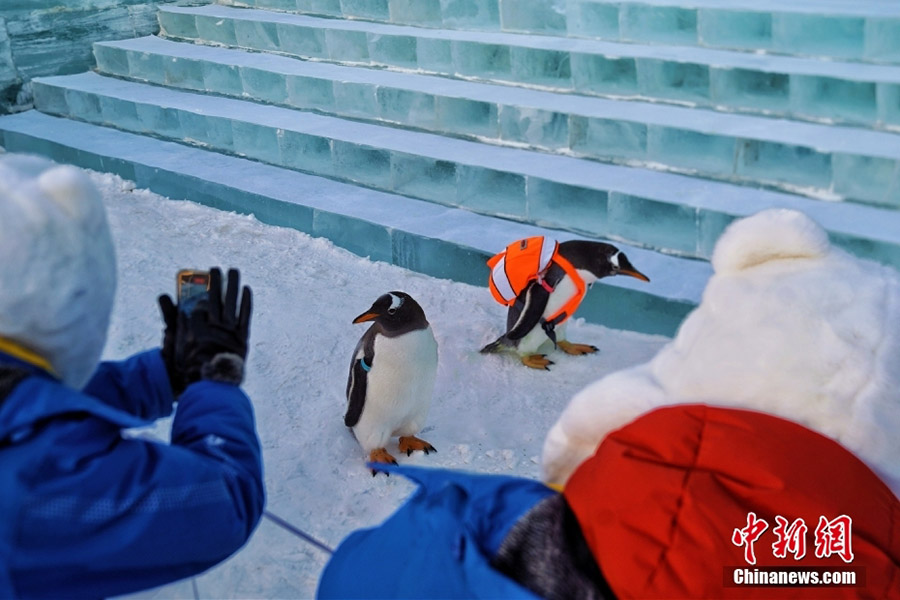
{"x": 664, "y": 506}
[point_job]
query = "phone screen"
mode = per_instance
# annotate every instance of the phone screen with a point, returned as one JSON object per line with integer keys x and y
{"x": 192, "y": 286}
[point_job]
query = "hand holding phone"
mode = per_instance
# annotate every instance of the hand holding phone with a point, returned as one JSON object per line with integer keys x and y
{"x": 192, "y": 286}
{"x": 206, "y": 335}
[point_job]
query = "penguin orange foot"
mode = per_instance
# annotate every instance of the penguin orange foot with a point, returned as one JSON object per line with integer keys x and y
{"x": 576, "y": 349}
{"x": 537, "y": 361}
{"x": 410, "y": 444}
{"x": 381, "y": 455}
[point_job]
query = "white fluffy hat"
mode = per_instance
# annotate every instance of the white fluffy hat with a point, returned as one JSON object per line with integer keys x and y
{"x": 57, "y": 264}
{"x": 788, "y": 325}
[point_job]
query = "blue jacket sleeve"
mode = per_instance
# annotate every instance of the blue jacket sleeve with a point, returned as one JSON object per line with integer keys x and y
{"x": 225, "y": 432}
{"x": 120, "y": 515}
{"x": 447, "y": 533}
{"x": 138, "y": 385}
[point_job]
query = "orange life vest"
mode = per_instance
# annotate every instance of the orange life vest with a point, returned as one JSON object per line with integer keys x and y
{"x": 527, "y": 260}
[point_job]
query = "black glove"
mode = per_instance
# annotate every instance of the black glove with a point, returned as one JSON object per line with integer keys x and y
{"x": 212, "y": 339}
{"x": 170, "y": 316}
{"x": 210, "y": 342}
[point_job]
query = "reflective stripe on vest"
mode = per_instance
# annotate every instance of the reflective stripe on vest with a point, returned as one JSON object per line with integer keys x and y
{"x": 519, "y": 264}
{"x": 524, "y": 261}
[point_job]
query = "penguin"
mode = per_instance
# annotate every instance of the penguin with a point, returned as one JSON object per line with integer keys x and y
{"x": 529, "y": 326}
{"x": 391, "y": 378}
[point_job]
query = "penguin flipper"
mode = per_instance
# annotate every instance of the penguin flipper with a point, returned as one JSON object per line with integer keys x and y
{"x": 356, "y": 393}
{"x": 497, "y": 345}
{"x": 526, "y": 313}
{"x": 357, "y": 380}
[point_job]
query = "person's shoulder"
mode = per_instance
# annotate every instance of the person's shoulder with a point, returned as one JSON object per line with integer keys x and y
{"x": 38, "y": 398}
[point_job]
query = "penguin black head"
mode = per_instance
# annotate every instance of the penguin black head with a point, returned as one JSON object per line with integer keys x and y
{"x": 603, "y": 260}
{"x": 396, "y": 313}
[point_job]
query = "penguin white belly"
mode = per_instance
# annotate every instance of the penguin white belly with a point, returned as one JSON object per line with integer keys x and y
{"x": 398, "y": 388}
{"x": 536, "y": 340}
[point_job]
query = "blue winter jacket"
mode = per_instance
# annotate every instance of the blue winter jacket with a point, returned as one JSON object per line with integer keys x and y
{"x": 88, "y": 512}
{"x": 437, "y": 545}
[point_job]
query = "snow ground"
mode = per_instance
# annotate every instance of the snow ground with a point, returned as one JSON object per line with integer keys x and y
{"x": 489, "y": 413}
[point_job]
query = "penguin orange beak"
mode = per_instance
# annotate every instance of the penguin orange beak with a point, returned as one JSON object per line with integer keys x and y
{"x": 366, "y": 316}
{"x": 635, "y": 273}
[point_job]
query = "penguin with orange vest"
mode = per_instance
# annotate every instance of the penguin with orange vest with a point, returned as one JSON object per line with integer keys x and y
{"x": 543, "y": 282}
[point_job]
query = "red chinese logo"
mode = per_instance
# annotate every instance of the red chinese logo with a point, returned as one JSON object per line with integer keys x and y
{"x": 748, "y": 535}
{"x": 790, "y": 538}
{"x": 831, "y": 537}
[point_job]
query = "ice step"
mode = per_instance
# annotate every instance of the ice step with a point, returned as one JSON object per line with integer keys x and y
{"x": 425, "y": 237}
{"x": 675, "y": 213}
{"x": 742, "y": 148}
{"x": 782, "y": 86}
{"x": 865, "y": 30}
{"x": 853, "y": 29}
{"x": 10, "y": 79}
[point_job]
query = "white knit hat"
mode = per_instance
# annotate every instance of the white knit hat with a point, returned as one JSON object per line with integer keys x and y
{"x": 57, "y": 264}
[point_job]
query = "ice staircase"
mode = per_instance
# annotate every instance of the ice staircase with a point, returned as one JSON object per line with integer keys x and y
{"x": 466, "y": 124}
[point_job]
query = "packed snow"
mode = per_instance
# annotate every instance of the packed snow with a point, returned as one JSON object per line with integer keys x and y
{"x": 489, "y": 414}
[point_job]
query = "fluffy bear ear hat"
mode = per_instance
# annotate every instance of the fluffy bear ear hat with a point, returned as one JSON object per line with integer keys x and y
{"x": 57, "y": 265}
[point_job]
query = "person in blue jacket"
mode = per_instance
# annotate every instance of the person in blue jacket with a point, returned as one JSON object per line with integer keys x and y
{"x": 440, "y": 544}
{"x": 88, "y": 510}
{"x": 466, "y": 535}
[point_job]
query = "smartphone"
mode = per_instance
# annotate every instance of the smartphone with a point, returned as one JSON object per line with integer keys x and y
{"x": 192, "y": 286}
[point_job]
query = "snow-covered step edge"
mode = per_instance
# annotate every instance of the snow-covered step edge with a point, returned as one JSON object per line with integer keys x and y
{"x": 634, "y": 133}
{"x": 865, "y": 30}
{"x": 424, "y": 237}
{"x": 674, "y": 213}
{"x": 826, "y": 91}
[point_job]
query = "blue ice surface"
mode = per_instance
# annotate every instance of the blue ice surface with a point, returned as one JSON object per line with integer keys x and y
{"x": 486, "y": 10}
{"x": 781, "y": 85}
{"x": 49, "y": 37}
{"x": 424, "y": 236}
{"x": 467, "y": 101}
{"x": 879, "y": 8}
{"x": 172, "y": 16}
{"x": 730, "y": 146}
{"x": 456, "y": 171}
{"x": 863, "y": 30}
{"x": 9, "y": 76}
{"x": 541, "y": 16}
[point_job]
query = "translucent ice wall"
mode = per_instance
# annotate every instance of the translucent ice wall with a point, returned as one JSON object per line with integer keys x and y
{"x": 54, "y": 37}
